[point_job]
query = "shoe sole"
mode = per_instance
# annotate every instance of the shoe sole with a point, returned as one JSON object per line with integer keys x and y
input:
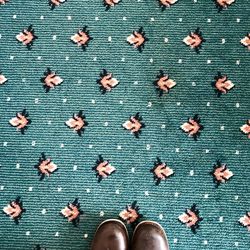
{"x": 152, "y": 223}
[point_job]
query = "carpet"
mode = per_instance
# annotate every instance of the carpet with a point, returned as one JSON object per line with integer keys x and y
{"x": 137, "y": 110}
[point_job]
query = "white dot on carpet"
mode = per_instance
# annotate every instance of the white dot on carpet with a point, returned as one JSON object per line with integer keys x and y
{"x": 44, "y": 211}
{"x": 149, "y": 104}
{"x": 221, "y": 219}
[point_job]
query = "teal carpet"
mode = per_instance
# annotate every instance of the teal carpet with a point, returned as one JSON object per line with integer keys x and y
{"x": 137, "y": 104}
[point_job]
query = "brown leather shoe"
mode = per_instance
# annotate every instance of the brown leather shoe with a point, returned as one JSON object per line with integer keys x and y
{"x": 149, "y": 235}
{"x": 110, "y": 235}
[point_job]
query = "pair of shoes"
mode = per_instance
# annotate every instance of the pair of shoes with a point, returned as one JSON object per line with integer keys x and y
{"x": 113, "y": 235}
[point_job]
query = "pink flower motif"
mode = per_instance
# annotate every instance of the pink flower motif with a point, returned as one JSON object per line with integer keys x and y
{"x": 245, "y": 221}
{"x": 27, "y": 37}
{"x": 21, "y": 121}
{"x": 134, "y": 124}
{"x": 246, "y": 41}
{"x": 103, "y": 168}
{"x": 221, "y": 173}
{"x": 81, "y": 38}
{"x": 110, "y": 3}
{"x": 107, "y": 82}
{"x": 137, "y": 39}
{"x": 223, "y": 4}
{"x": 14, "y": 209}
{"x": 50, "y": 80}
{"x": 77, "y": 123}
{"x": 56, "y": 3}
{"x": 72, "y": 212}
{"x": 166, "y": 3}
{"x": 246, "y": 129}
{"x": 45, "y": 167}
{"x": 194, "y": 40}
{"x": 222, "y": 85}
{"x": 3, "y": 1}
{"x": 192, "y": 127}
{"x": 164, "y": 83}
{"x": 3, "y": 79}
{"x": 161, "y": 171}
{"x": 131, "y": 214}
{"x": 191, "y": 218}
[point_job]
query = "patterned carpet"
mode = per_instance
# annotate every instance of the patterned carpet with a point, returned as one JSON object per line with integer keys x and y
{"x": 132, "y": 109}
